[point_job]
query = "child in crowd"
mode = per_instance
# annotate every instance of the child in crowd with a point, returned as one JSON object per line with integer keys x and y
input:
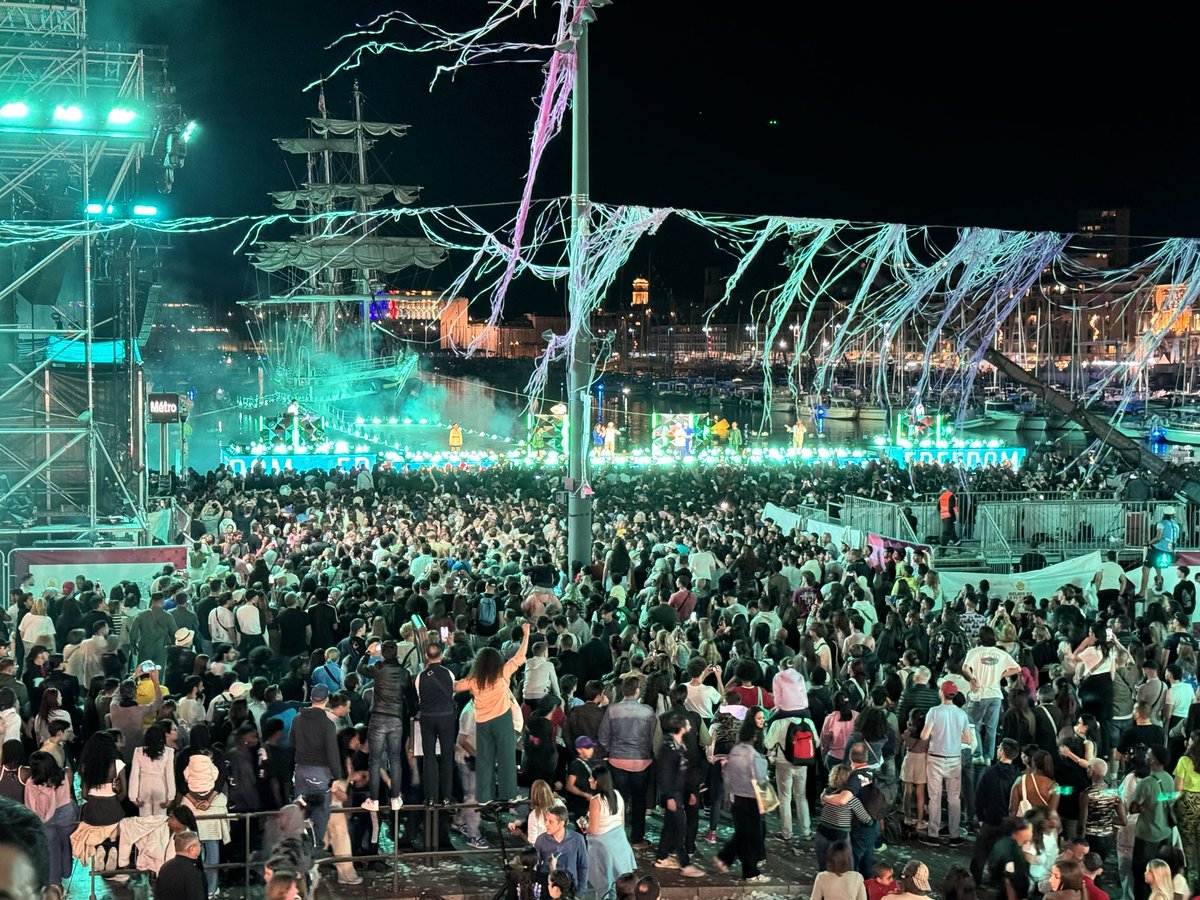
{"x": 913, "y": 769}
{"x": 883, "y": 883}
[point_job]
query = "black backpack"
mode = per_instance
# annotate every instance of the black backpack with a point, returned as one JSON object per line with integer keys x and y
{"x": 873, "y": 801}
{"x": 800, "y": 743}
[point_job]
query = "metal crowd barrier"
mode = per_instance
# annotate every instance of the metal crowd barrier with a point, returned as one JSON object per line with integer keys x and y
{"x": 432, "y": 834}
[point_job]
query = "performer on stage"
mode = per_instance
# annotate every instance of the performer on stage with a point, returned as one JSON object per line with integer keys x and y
{"x": 455, "y": 437}
{"x": 610, "y": 439}
{"x": 735, "y": 439}
{"x": 798, "y": 432}
{"x": 537, "y": 441}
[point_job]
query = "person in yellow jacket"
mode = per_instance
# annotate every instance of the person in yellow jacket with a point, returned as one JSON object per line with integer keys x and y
{"x": 455, "y": 436}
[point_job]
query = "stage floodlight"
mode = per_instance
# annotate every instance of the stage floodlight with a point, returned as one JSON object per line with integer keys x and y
{"x": 70, "y": 113}
{"x": 145, "y": 209}
{"x": 93, "y": 209}
{"x": 121, "y": 116}
{"x": 14, "y": 110}
{"x": 189, "y": 131}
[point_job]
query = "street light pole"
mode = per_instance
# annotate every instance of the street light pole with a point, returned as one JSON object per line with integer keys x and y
{"x": 579, "y": 504}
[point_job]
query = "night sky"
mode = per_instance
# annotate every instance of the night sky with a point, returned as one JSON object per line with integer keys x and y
{"x": 973, "y": 117}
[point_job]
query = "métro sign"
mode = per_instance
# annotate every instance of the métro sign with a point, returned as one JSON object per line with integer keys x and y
{"x": 164, "y": 408}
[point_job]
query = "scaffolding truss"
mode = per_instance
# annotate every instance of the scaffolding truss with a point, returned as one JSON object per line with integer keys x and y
{"x": 72, "y": 448}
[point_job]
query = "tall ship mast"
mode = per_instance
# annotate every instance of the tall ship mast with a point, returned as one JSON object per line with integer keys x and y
{"x": 319, "y": 331}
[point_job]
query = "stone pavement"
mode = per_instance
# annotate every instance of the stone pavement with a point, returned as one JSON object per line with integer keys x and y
{"x": 478, "y": 876}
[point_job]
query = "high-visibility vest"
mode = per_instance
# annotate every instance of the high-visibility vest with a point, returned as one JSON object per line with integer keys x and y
{"x": 945, "y": 500}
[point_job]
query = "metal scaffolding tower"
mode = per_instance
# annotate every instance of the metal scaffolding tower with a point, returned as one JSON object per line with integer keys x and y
{"x": 71, "y": 422}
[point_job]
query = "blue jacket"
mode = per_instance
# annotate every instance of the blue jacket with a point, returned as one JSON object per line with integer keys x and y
{"x": 627, "y": 730}
{"x": 572, "y": 856}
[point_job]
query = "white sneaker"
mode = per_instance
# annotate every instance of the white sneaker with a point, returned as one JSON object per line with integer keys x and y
{"x": 668, "y": 862}
{"x": 692, "y": 872}
{"x": 397, "y": 803}
{"x": 370, "y": 805}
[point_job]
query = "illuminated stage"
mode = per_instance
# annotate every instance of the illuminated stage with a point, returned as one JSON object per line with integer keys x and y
{"x": 423, "y": 444}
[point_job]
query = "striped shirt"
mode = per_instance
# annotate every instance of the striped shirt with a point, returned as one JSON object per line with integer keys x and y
{"x": 837, "y": 817}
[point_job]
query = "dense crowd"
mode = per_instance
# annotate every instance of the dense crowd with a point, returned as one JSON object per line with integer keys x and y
{"x": 343, "y": 645}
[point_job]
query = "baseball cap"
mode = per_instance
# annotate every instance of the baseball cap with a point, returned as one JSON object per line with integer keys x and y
{"x": 949, "y": 689}
{"x": 320, "y": 692}
{"x": 920, "y": 877}
{"x": 583, "y": 742}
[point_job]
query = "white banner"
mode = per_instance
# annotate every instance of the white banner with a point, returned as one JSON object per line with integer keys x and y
{"x": 105, "y": 565}
{"x": 788, "y": 521}
{"x": 1042, "y": 583}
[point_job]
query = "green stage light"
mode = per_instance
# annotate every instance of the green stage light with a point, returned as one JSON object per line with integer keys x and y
{"x": 68, "y": 113}
{"x": 189, "y": 131}
{"x": 145, "y": 209}
{"x": 93, "y": 209}
{"x": 14, "y": 110}
{"x": 121, "y": 116}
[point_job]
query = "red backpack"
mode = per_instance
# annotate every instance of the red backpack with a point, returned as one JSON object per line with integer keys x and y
{"x": 800, "y": 743}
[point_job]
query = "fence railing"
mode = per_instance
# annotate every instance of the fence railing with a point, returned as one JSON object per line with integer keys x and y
{"x": 1059, "y": 525}
{"x": 890, "y": 519}
{"x": 992, "y": 540}
{"x": 431, "y": 827}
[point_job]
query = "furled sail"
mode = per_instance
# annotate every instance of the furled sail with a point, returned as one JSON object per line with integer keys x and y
{"x": 320, "y": 145}
{"x": 325, "y": 194}
{"x": 348, "y": 126}
{"x": 382, "y": 254}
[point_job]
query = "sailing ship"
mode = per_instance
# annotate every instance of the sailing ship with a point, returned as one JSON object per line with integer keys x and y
{"x": 321, "y": 335}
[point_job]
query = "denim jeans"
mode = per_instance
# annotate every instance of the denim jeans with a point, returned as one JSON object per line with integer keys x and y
{"x": 1117, "y": 729}
{"x": 312, "y": 783}
{"x": 985, "y": 716}
{"x": 384, "y": 732}
{"x": 863, "y": 838}
{"x": 212, "y": 859}
{"x": 468, "y": 817}
{"x": 58, "y": 836}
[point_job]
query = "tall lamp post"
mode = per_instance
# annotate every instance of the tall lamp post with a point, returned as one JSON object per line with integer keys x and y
{"x": 579, "y": 370}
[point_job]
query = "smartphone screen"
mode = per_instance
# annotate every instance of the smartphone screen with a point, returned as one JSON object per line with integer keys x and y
{"x": 1110, "y": 634}
{"x": 445, "y": 632}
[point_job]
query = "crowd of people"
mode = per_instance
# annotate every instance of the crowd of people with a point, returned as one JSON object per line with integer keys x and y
{"x": 353, "y": 656}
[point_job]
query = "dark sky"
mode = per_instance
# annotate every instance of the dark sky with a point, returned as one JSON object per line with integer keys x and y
{"x": 972, "y": 117}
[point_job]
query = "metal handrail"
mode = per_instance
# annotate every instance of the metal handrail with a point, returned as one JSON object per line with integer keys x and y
{"x": 992, "y": 532}
{"x": 432, "y": 832}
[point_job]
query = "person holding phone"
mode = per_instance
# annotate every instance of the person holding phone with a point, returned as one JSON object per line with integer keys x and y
{"x": 439, "y": 725}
